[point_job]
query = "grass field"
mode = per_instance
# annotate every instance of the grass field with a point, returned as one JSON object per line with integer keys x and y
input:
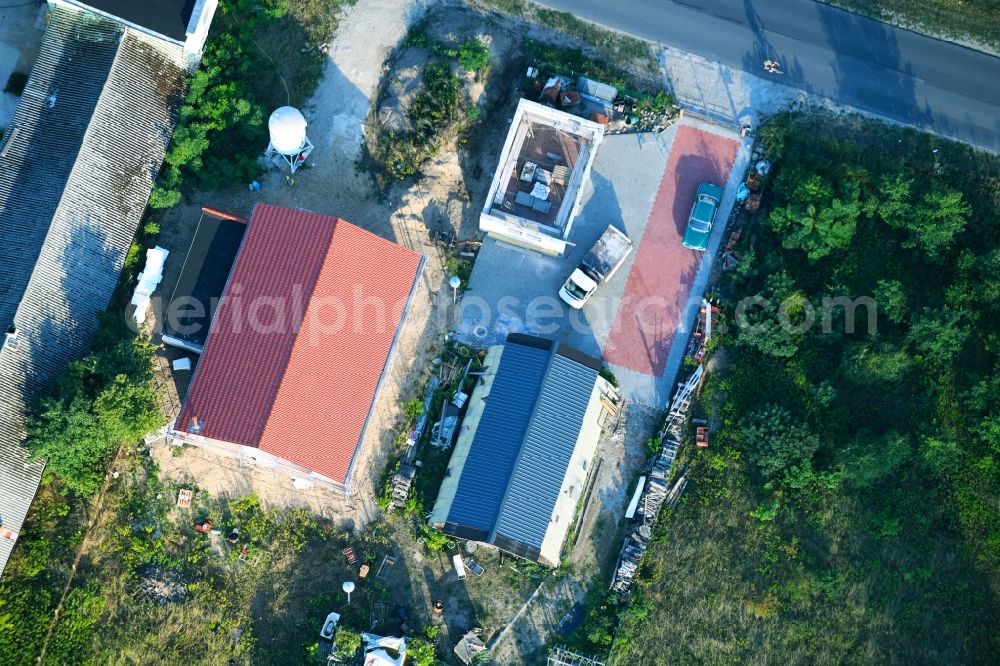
{"x": 843, "y": 512}
{"x": 976, "y": 20}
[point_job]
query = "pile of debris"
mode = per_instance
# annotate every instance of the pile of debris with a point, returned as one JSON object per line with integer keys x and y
{"x": 657, "y": 490}
{"x": 470, "y": 646}
{"x": 612, "y": 416}
{"x": 599, "y": 102}
{"x": 401, "y": 481}
{"x": 161, "y": 586}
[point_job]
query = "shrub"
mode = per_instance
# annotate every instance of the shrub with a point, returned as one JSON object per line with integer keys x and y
{"x": 346, "y": 644}
{"x": 435, "y": 539}
{"x": 474, "y": 56}
{"x": 609, "y": 376}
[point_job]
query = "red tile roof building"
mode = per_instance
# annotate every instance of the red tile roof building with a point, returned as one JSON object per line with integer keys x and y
{"x": 300, "y": 343}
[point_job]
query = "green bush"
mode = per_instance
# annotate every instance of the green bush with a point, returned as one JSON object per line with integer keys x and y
{"x": 474, "y": 56}
{"x": 99, "y": 403}
{"x": 434, "y": 539}
{"x": 346, "y": 644}
{"x": 609, "y": 376}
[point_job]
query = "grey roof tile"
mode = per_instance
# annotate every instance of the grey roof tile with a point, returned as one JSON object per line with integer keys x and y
{"x": 74, "y": 182}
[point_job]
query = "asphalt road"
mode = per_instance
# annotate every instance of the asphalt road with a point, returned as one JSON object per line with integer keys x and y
{"x": 931, "y": 84}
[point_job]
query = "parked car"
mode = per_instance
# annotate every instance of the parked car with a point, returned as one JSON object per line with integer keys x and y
{"x": 699, "y": 226}
{"x": 598, "y": 265}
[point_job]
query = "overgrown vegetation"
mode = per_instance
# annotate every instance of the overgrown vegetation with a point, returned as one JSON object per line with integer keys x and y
{"x": 844, "y": 512}
{"x": 101, "y": 402}
{"x": 473, "y": 55}
{"x": 261, "y": 54}
{"x": 440, "y": 111}
{"x": 150, "y": 584}
{"x": 979, "y": 21}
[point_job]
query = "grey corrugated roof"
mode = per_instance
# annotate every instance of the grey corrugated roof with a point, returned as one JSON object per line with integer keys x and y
{"x": 546, "y": 452}
{"x": 167, "y": 17}
{"x": 74, "y": 182}
{"x": 522, "y": 448}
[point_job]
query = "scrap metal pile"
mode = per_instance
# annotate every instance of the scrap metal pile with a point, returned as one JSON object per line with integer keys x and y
{"x": 657, "y": 490}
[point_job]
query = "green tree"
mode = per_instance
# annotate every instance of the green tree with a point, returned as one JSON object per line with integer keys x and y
{"x": 891, "y": 299}
{"x": 875, "y": 364}
{"x": 817, "y": 218}
{"x": 937, "y": 219}
{"x": 939, "y": 335}
{"x": 771, "y": 321}
{"x": 101, "y": 402}
{"x": 780, "y": 446}
{"x": 869, "y": 459}
{"x": 932, "y": 221}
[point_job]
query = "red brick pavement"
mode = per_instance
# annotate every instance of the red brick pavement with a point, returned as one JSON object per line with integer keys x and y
{"x": 661, "y": 276}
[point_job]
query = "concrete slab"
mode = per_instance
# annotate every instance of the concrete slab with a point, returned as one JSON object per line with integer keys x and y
{"x": 639, "y": 320}
{"x": 659, "y": 283}
{"x": 512, "y": 290}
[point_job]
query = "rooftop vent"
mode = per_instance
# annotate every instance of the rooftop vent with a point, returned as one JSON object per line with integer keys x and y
{"x": 10, "y": 339}
{"x": 50, "y": 101}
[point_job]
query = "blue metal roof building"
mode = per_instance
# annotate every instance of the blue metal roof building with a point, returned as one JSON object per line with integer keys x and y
{"x": 522, "y": 457}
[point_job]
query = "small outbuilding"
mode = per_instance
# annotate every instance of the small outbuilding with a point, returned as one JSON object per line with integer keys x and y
{"x": 538, "y": 184}
{"x": 524, "y": 452}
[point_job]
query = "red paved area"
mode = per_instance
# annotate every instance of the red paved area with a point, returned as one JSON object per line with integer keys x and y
{"x": 663, "y": 271}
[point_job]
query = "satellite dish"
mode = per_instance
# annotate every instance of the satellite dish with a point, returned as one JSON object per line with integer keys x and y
{"x": 348, "y": 587}
{"x": 287, "y": 127}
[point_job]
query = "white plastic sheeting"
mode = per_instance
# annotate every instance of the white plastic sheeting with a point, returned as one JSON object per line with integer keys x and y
{"x": 149, "y": 279}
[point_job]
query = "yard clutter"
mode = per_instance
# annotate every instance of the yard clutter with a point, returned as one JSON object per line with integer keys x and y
{"x": 657, "y": 489}
{"x": 469, "y": 646}
{"x": 148, "y": 280}
{"x": 383, "y": 650}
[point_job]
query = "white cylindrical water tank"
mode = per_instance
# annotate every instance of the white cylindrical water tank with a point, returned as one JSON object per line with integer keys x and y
{"x": 288, "y": 130}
